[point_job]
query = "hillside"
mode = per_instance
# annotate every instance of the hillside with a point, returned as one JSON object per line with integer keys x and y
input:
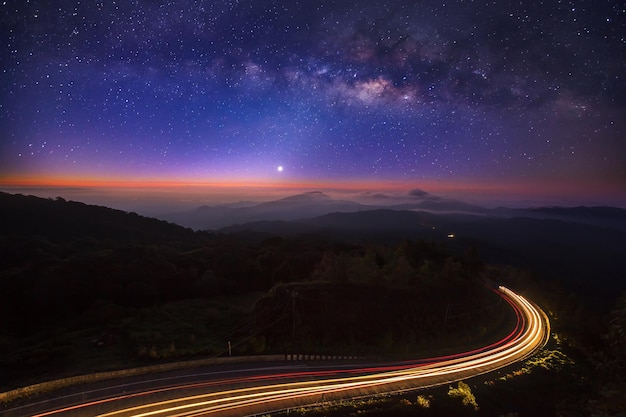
{"x": 59, "y": 219}
{"x": 293, "y": 207}
{"x": 587, "y": 258}
{"x": 86, "y": 288}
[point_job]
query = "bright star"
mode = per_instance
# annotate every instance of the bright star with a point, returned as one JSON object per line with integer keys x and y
{"x": 280, "y": 168}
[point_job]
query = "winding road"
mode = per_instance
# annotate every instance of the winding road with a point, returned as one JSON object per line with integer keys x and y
{"x": 282, "y": 385}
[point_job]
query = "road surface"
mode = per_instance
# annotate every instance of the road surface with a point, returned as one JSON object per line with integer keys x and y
{"x": 282, "y": 385}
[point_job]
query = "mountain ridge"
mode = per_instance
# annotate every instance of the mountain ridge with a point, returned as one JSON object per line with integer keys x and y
{"x": 316, "y": 203}
{"x": 61, "y": 219}
{"x": 573, "y": 250}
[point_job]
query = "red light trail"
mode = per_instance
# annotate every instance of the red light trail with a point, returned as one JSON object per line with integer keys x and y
{"x": 266, "y": 392}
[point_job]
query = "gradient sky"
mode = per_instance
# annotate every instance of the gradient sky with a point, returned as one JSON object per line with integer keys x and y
{"x": 523, "y": 98}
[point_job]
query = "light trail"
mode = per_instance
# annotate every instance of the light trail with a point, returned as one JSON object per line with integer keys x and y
{"x": 264, "y": 393}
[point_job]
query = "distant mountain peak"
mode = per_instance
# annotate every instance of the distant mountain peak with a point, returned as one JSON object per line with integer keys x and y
{"x": 308, "y": 196}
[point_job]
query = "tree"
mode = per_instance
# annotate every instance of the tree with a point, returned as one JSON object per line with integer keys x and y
{"x": 464, "y": 392}
{"x": 615, "y": 339}
{"x": 401, "y": 271}
{"x": 332, "y": 267}
{"x": 364, "y": 268}
{"x": 472, "y": 262}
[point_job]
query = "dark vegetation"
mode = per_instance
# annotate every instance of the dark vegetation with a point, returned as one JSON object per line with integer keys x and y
{"x": 111, "y": 294}
{"x": 583, "y": 249}
{"x": 85, "y": 289}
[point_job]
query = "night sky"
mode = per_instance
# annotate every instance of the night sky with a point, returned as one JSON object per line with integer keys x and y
{"x": 424, "y": 94}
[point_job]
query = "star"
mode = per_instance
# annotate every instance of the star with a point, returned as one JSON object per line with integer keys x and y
{"x": 392, "y": 91}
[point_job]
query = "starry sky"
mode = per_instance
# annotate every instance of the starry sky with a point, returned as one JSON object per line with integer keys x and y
{"x": 517, "y": 97}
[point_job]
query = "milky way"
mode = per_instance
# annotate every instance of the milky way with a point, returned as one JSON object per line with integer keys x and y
{"x": 362, "y": 90}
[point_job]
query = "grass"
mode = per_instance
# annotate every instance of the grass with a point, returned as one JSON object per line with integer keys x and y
{"x": 108, "y": 337}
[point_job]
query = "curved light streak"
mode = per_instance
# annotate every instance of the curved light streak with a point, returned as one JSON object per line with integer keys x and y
{"x": 257, "y": 394}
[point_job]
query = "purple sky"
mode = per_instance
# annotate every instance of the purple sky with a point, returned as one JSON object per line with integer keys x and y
{"x": 523, "y": 99}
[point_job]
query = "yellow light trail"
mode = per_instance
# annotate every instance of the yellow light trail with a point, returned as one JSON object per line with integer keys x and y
{"x": 259, "y": 397}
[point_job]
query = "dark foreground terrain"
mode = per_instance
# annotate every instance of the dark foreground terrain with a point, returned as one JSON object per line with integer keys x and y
{"x": 86, "y": 289}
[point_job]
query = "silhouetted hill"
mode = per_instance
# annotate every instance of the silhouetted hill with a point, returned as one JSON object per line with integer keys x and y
{"x": 441, "y": 205}
{"x": 308, "y": 205}
{"x": 400, "y": 222}
{"x": 294, "y": 207}
{"x": 583, "y": 211}
{"x": 306, "y": 198}
{"x": 589, "y": 258}
{"x": 272, "y": 228}
{"x": 393, "y": 224}
{"x": 59, "y": 219}
{"x": 392, "y": 221}
{"x": 611, "y": 217}
{"x": 89, "y": 289}
{"x": 315, "y": 203}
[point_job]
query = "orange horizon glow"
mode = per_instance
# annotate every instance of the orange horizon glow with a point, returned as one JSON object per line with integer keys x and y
{"x": 467, "y": 189}
{"x": 173, "y": 183}
{"x": 469, "y": 185}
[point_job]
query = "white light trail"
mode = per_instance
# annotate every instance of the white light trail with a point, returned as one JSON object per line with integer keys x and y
{"x": 255, "y": 395}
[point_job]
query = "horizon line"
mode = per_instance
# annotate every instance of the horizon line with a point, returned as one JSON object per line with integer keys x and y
{"x": 557, "y": 191}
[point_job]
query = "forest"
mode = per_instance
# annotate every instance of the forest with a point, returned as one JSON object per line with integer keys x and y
{"x": 86, "y": 289}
